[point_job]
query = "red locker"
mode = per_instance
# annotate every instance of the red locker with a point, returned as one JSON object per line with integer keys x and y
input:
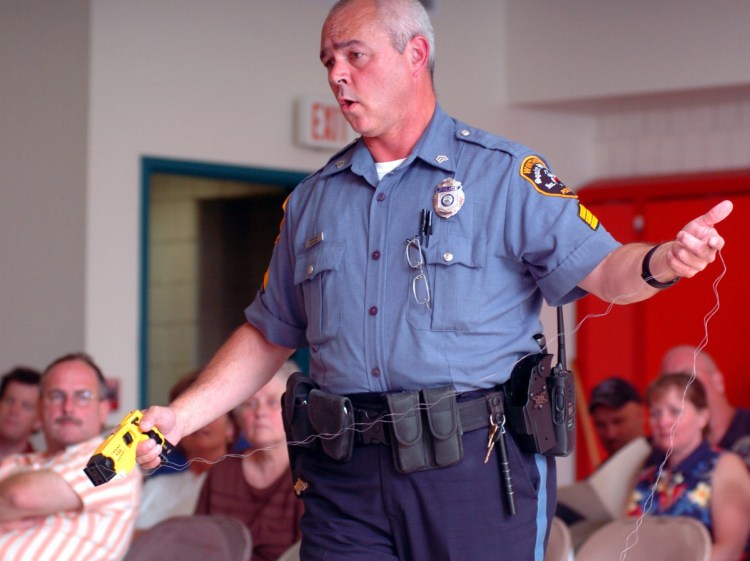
{"x": 629, "y": 341}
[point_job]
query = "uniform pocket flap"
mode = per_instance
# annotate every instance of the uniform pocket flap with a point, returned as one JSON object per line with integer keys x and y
{"x": 455, "y": 250}
{"x": 325, "y": 256}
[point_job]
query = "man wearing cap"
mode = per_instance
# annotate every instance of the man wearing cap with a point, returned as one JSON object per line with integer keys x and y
{"x": 617, "y": 412}
{"x": 616, "y": 409}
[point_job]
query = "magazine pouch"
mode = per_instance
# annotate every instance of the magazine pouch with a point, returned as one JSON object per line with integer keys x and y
{"x": 426, "y": 429}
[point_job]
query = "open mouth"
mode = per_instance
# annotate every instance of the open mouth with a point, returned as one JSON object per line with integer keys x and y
{"x": 346, "y": 104}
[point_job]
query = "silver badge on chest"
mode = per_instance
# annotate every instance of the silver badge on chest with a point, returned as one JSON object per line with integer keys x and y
{"x": 448, "y": 198}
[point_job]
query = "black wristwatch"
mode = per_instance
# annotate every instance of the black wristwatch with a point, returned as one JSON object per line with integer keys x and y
{"x": 646, "y": 271}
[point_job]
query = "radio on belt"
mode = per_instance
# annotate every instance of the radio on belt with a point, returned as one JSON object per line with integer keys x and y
{"x": 115, "y": 457}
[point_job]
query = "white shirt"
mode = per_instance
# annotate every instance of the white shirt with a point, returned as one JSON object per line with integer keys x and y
{"x": 170, "y": 495}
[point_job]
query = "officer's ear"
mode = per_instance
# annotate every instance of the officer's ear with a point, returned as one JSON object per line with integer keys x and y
{"x": 419, "y": 53}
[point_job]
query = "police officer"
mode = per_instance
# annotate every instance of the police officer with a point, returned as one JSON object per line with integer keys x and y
{"x": 417, "y": 258}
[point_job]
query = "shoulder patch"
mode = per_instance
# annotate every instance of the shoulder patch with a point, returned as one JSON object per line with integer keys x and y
{"x": 535, "y": 171}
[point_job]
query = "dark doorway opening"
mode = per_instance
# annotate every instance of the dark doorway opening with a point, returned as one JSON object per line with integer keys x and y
{"x": 206, "y": 239}
{"x": 236, "y": 238}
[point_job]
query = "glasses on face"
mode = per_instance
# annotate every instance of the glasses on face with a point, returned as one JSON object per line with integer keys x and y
{"x": 80, "y": 398}
{"x": 420, "y": 288}
{"x": 270, "y": 403}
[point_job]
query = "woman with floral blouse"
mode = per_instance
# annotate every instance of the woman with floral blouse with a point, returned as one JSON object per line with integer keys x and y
{"x": 690, "y": 477}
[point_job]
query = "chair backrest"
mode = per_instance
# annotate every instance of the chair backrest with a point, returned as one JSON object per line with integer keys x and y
{"x": 559, "y": 545}
{"x": 193, "y": 538}
{"x": 291, "y": 554}
{"x": 652, "y": 538}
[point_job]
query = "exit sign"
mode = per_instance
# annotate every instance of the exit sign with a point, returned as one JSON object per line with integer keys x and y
{"x": 320, "y": 124}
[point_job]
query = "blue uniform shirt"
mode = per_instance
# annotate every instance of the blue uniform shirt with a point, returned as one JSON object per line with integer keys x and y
{"x": 339, "y": 280}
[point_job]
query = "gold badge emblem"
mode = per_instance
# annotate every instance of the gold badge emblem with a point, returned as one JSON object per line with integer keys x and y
{"x": 300, "y": 487}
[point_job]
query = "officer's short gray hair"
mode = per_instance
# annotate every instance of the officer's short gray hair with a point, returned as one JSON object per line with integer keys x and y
{"x": 403, "y": 20}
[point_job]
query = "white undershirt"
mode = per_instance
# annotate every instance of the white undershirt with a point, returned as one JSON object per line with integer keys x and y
{"x": 386, "y": 167}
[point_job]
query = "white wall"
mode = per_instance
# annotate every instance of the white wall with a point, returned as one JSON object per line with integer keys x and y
{"x": 189, "y": 80}
{"x": 43, "y": 120}
{"x": 706, "y": 131}
{"x": 579, "y": 49}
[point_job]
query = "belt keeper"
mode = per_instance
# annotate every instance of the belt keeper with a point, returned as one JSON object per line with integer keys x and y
{"x": 371, "y": 427}
{"x": 495, "y": 407}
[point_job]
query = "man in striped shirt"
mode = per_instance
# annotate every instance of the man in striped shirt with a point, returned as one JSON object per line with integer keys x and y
{"x": 49, "y": 510}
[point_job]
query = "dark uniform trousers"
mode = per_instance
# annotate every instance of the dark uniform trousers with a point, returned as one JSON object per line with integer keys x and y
{"x": 365, "y": 510}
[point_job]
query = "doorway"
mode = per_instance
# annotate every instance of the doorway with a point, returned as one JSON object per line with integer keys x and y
{"x": 207, "y": 236}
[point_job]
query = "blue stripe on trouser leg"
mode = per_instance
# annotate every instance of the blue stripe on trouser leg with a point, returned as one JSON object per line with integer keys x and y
{"x": 541, "y": 519}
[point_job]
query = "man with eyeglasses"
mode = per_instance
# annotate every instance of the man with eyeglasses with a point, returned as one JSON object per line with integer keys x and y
{"x": 49, "y": 509}
{"x": 19, "y": 410}
{"x": 413, "y": 265}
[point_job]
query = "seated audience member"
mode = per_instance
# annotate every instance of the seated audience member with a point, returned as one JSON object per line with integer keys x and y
{"x": 729, "y": 426}
{"x": 617, "y": 413}
{"x": 616, "y": 410}
{"x": 697, "y": 479}
{"x": 19, "y": 410}
{"x": 257, "y": 488}
{"x": 173, "y": 490}
{"x": 49, "y": 509}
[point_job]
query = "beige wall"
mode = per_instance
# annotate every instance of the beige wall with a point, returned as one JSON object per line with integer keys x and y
{"x": 44, "y": 56}
{"x": 568, "y": 50}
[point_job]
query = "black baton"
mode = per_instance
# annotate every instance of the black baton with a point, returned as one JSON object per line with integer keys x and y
{"x": 507, "y": 480}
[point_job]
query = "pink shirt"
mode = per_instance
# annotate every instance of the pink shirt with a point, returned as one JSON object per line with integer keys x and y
{"x": 101, "y": 531}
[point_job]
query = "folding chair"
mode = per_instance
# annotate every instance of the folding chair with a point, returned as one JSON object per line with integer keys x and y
{"x": 193, "y": 538}
{"x": 658, "y": 538}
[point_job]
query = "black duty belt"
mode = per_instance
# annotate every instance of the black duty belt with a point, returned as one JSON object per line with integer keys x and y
{"x": 476, "y": 409}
